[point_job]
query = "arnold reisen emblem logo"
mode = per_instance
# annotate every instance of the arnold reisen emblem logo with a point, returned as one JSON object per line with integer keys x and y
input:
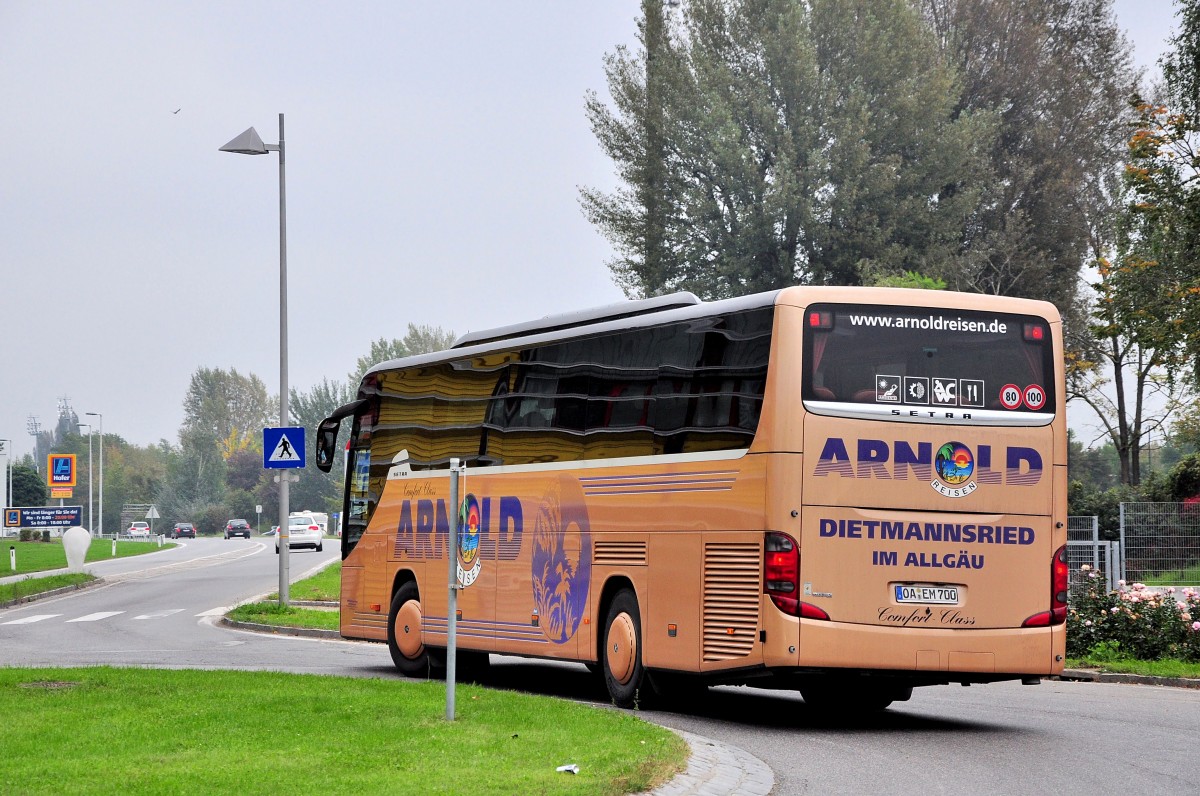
{"x": 954, "y": 465}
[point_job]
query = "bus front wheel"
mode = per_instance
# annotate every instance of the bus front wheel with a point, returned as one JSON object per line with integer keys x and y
{"x": 624, "y": 675}
{"x": 405, "y": 640}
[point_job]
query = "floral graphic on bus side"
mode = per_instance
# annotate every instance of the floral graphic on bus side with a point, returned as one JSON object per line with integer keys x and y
{"x": 562, "y": 565}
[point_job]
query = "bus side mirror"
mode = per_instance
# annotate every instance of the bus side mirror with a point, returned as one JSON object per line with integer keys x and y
{"x": 327, "y": 443}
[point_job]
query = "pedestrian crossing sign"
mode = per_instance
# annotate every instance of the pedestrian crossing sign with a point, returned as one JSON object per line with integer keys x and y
{"x": 283, "y": 448}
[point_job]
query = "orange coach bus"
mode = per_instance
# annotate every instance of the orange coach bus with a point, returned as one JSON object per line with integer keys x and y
{"x": 848, "y": 492}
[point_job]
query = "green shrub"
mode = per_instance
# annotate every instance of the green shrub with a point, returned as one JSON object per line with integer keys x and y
{"x": 1134, "y": 622}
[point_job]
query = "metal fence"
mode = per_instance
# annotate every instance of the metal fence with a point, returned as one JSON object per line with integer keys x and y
{"x": 1084, "y": 546}
{"x": 1160, "y": 543}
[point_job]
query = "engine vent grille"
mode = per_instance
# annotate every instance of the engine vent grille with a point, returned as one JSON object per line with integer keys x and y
{"x": 629, "y": 554}
{"x": 732, "y": 575}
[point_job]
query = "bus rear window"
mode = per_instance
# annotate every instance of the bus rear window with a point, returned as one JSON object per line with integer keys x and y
{"x": 924, "y": 364}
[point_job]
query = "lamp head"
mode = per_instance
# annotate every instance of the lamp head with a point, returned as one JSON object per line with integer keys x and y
{"x": 248, "y": 143}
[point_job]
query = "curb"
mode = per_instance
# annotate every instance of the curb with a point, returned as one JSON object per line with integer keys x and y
{"x": 279, "y": 630}
{"x": 1093, "y": 676}
{"x": 715, "y": 768}
{"x": 52, "y": 593}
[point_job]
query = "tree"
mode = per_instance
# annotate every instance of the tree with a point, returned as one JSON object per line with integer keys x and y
{"x": 1121, "y": 370}
{"x": 1147, "y": 317}
{"x": 28, "y": 487}
{"x": 763, "y": 143}
{"x": 425, "y": 339}
{"x": 316, "y": 490}
{"x": 422, "y": 339}
{"x": 1056, "y": 74}
{"x": 225, "y": 405}
{"x": 1163, "y": 176}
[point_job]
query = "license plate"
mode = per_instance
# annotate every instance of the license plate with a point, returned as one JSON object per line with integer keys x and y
{"x": 922, "y": 593}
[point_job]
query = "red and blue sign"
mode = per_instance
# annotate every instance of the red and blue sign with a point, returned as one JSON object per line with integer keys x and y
{"x": 60, "y": 469}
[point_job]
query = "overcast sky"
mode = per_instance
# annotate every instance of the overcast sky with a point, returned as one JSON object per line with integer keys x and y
{"x": 434, "y": 156}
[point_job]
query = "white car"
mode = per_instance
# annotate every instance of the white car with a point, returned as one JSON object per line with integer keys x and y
{"x": 138, "y": 529}
{"x": 303, "y": 531}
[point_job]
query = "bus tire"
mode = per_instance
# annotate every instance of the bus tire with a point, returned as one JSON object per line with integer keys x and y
{"x": 624, "y": 675}
{"x": 405, "y": 641}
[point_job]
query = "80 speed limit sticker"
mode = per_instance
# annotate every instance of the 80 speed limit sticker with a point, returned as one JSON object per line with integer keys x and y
{"x": 1010, "y": 396}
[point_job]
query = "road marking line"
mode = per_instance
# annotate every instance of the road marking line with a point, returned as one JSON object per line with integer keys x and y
{"x": 159, "y": 614}
{"x": 29, "y": 620}
{"x": 214, "y": 612}
{"x": 96, "y": 617}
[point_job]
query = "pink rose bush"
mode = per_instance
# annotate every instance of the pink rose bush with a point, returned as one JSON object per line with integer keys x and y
{"x": 1135, "y": 621}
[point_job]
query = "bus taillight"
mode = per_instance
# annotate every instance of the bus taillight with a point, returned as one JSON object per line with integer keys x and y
{"x": 781, "y": 577}
{"x": 1060, "y": 584}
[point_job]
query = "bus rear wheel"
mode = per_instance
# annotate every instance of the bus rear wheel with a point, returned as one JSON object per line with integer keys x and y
{"x": 621, "y": 658}
{"x": 405, "y": 641}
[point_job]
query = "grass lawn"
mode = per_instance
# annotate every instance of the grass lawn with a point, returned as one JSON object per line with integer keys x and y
{"x": 272, "y": 613}
{"x": 24, "y": 588}
{"x": 325, "y": 586}
{"x": 1163, "y": 668}
{"x": 40, "y": 556}
{"x": 130, "y": 731}
{"x": 1181, "y": 577}
{"x": 34, "y": 557}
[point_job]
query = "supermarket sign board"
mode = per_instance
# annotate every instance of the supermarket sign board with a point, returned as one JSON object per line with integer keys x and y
{"x": 42, "y": 516}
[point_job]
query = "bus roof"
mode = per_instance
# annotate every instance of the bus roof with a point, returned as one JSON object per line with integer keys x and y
{"x": 599, "y": 320}
{"x": 684, "y": 306}
{"x": 584, "y": 317}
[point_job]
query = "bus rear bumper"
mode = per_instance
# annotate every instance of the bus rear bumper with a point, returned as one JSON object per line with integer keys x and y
{"x": 1007, "y": 651}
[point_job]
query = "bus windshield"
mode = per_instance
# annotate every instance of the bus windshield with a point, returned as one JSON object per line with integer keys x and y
{"x": 922, "y": 364}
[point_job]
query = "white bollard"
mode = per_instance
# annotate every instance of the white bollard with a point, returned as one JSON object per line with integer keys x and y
{"x": 12, "y": 557}
{"x": 114, "y": 552}
{"x": 76, "y": 542}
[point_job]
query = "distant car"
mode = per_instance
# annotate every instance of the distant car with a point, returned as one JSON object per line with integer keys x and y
{"x": 273, "y": 532}
{"x": 237, "y": 528}
{"x": 139, "y": 529}
{"x": 303, "y": 531}
{"x": 183, "y": 529}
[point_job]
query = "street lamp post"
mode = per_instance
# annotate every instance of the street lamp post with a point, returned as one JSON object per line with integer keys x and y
{"x": 249, "y": 143}
{"x": 91, "y": 475}
{"x": 101, "y": 416}
{"x": 6, "y": 449}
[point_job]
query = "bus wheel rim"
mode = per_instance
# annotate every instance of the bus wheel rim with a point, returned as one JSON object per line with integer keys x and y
{"x": 408, "y": 630}
{"x": 622, "y": 648}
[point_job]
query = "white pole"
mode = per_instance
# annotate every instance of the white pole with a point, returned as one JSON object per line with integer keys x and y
{"x": 101, "y": 416}
{"x": 5, "y": 444}
{"x": 91, "y": 482}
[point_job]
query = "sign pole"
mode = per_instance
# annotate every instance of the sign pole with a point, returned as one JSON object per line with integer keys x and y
{"x": 283, "y": 449}
{"x": 452, "y": 611}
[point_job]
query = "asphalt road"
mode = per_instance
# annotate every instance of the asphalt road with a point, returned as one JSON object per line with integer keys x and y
{"x": 1058, "y": 737}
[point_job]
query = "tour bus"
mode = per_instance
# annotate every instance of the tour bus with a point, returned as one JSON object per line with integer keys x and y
{"x": 847, "y": 492}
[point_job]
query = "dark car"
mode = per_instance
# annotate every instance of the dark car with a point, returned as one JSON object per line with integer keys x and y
{"x": 237, "y": 528}
{"x": 183, "y": 529}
